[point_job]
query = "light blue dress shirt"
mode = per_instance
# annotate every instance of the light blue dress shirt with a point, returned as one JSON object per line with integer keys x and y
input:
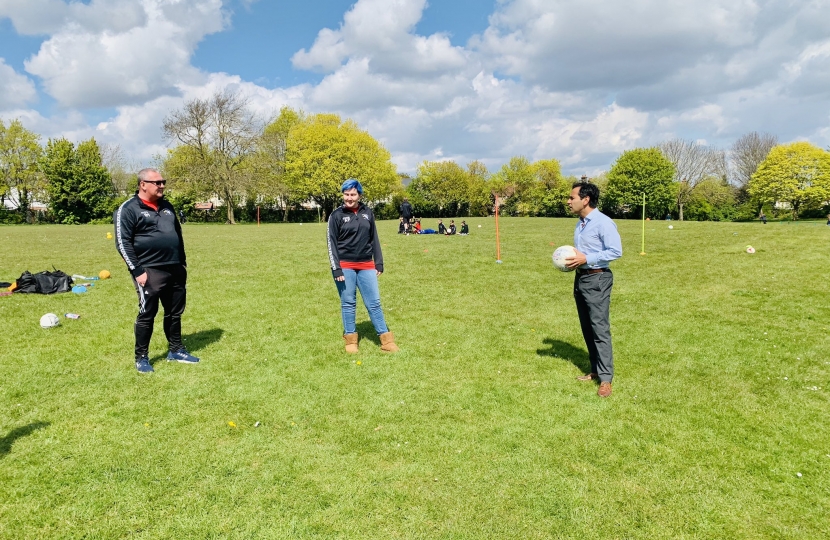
{"x": 596, "y": 236}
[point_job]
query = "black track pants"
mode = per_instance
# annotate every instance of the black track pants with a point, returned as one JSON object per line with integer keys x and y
{"x": 165, "y": 283}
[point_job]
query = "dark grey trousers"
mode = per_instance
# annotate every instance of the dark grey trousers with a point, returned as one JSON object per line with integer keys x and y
{"x": 593, "y": 301}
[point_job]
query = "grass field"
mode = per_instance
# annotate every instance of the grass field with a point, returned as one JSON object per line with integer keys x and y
{"x": 476, "y": 429}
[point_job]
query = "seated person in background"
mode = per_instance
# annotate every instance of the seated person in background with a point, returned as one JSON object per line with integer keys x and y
{"x": 465, "y": 229}
{"x": 417, "y": 226}
{"x": 428, "y": 231}
{"x": 451, "y": 230}
{"x": 441, "y": 228}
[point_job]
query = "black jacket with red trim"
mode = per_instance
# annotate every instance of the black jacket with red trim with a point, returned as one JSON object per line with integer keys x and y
{"x": 353, "y": 237}
{"x": 146, "y": 237}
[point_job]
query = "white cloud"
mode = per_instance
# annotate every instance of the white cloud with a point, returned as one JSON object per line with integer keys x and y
{"x": 110, "y": 53}
{"x": 596, "y": 44}
{"x": 380, "y": 32}
{"x": 580, "y": 82}
{"x": 37, "y": 17}
{"x": 15, "y": 89}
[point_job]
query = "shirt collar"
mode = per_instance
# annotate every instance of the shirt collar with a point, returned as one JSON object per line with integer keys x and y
{"x": 589, "y": 217}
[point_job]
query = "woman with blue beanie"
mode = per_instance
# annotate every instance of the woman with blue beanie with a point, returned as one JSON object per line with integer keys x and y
{"x": 356, "y": 262}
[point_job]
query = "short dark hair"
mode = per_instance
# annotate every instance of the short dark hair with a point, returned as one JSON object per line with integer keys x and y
{"x": 587, "y": 189}
{"x": 144, "y": 173}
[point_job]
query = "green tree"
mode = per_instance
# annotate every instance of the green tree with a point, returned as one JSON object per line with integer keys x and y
{"x": 322, "y": 152}
{"x": 445, "y": 184}
{"x": 479, "y": 196}
{"x": 514, "y": 182}
{"x": 692, "y": 163}
{"x": 531, "y": 189}
{"x": 20, "y": 153}
{"x": 745, "y": 155}
{"x": 123, "y": 173}
{"x": 551, "y": 189}
{"x": 712, "y": 199}
{"x": 80, "y": 188}
{"x": 420, "y": 198}
{"x": 269, "y": 162}
{"x": 637, "y": 172}
{"x": 797, "y": 174}
{"x": 221, "y": 135}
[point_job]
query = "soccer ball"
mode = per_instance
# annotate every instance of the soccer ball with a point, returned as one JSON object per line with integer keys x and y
{"x": 50, "y": 320}
{"x": 671, "y": 226}
{"x": 104, "y": 274}
{"x": 750, "y": 250}
{"x": 559, "y": 256}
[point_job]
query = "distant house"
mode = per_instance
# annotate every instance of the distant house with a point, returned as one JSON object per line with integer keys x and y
{"x": 11, "y": 202}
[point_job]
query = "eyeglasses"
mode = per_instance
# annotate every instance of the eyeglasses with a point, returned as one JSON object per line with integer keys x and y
{"x": 155, "y": 182}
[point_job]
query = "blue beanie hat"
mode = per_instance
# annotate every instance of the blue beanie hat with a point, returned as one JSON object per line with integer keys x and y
{"x": 352, "y": 183}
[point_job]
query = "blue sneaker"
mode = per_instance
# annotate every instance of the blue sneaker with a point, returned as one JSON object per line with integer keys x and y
{"x": 143, "y": 365}
{"x": 182, "y": 356}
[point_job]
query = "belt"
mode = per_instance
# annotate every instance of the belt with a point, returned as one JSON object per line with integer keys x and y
{"x": 592, "y": 271}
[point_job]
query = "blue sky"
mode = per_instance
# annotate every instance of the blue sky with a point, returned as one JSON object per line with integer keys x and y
{"x": 262, "y": 38}
{"x": 577, "y": 81}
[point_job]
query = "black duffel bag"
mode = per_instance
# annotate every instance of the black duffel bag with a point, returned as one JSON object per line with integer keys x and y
{"x": 44, "y": 282}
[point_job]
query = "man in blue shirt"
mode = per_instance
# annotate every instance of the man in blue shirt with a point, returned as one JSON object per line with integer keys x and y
{"x": 597, "y": 243}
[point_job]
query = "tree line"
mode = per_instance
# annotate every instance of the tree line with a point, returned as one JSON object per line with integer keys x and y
{"x": 290, "y": 168}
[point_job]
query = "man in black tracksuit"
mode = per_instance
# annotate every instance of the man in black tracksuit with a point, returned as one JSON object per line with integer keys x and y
{"x": 149, "y": 239}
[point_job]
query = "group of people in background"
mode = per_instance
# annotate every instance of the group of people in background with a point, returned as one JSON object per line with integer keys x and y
{"x": 413, "y": 226}
{"x": 409, "y": 224}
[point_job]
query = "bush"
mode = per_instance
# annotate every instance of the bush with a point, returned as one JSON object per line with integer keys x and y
{"x": 748, "y": 211}
{"x": 11, "y": 217}
{"x": 386, "y": 210}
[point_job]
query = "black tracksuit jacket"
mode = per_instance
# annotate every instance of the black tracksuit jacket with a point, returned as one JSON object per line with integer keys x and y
{"x": 353, "y": 238}
{"x": 145, "y": 237}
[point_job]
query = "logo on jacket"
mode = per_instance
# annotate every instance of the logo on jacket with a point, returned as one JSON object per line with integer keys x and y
{"x": 167, "y": 211}
{"x": 346, "y": 219}
{"x": 365, "y": 216}
{"x": 145, "y": 213}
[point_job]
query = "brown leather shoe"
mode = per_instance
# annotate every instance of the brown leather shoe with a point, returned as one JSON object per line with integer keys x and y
{"x": 588, "y": 377}
{"x": 604, "y": 389}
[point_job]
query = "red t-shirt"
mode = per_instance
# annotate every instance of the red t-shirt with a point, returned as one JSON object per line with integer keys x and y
{"x": 154, "y": 206}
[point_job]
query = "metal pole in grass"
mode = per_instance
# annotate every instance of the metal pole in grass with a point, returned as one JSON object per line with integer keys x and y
{"x": 504, "y": 193}
{"x": 498, "y": 243}
{"x": 643, "y": 243}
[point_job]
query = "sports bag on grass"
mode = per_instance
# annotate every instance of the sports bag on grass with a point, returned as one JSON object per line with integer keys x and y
{"x": 44, "y": 282}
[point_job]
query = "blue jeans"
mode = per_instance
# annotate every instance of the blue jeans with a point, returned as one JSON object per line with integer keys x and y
{"x": 367, "y": 282}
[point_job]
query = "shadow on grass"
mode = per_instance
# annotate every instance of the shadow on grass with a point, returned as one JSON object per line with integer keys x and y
{"x": 566, "y": 351}
{"x": 195, "y": 342}
{"x": 366, "y": 330}
{"x": 17, "y": 433}
{"x": 200, "y": 340}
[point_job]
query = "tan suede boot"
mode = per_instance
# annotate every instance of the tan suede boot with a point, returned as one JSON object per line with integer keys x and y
{"x": 387, "y": 342}
{"x": 351, "y": 343}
